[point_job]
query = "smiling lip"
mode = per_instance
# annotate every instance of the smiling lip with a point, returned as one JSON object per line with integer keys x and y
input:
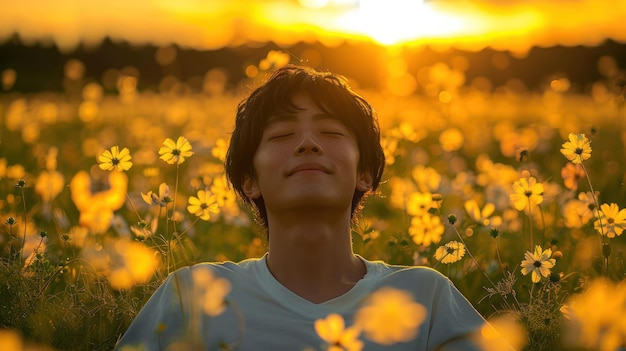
{"x": 308, "y": 167}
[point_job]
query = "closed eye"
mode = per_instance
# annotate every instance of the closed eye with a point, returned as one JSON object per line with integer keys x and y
{"x": 279, "y": 136}
{"x": 329, "y": 132}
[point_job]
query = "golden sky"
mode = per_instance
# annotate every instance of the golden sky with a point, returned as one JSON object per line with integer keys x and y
{"x": 513, "y": 25}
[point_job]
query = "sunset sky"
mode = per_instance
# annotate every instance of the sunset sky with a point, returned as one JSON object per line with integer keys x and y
{"x": 513, "y": 25}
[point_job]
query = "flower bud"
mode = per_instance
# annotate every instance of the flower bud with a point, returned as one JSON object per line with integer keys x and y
{"x": 494, "y": 232}
{"x": 555, "y": 277}
{"x": 452, "y": 219}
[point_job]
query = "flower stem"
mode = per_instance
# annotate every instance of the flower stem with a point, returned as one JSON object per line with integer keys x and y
{"x": 530, "y": 223}
{"x": 133, "y": 207}
{"x": 472, "y": 257}
{"x": 25, "y": 213}
{"x": 597, "y": 212}
{"x": 167, "y": 217}
{"x": 499, "y": 258}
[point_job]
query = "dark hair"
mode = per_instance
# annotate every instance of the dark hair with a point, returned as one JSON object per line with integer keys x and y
{"x": 332, "y": 94}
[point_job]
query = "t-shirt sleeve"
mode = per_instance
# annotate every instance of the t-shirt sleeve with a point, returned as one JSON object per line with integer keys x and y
{"x": 160, "y": 320}
{"x": 454, "y": 320}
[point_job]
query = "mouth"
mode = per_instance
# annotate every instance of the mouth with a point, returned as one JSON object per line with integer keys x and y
{"x": 308, "y": 167}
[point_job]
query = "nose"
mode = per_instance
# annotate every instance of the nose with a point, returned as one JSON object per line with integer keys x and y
{"x": 308, "y": 144}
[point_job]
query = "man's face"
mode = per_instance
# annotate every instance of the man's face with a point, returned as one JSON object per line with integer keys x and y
{"x": 306, "y": 160}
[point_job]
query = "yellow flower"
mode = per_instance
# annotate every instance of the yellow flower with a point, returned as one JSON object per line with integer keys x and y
{"x": 502, "y": 332}
{"x": 526, "y": 193}
{"x": 576, "y": 214}
{"x": 333, "y": 331}
{"x": 426, "y": 230}
{"x": 96, "y": 208}
{"x": 401, "y": 189}
{"x": 130, "y": 263}
{"x": 203, "y": 205}
{"x": 577, "y": 149}
{"x": 450, "y": 252}
{"x": 162, "y": 199}
{"x": 175, "y": 152}
{"x": 389, "y": 145}
{"x": 426, "y": 178}
{"x": 571, "y": 174}
{"x": 49, "y": 184}
{"x": 15, "y": 172}
{"x": 390, "y": 316}
{"x": 220, "y": 149}
{"x": 419, "y": 204}
{"x": 483, "y": 217}
{"x": 612, "y": 221}
{"x": 408, "y": 131}
{"x": 515, "y": 141}
{"x": 595, "y": 319}
{"x": 451, "y": 139}
{"x": 3, "y": 167}
{"x": 223, "y": 194}
{"x": 141, "y": 233}
{"x": 274, "y": 59}
{"x": 11, "y": 340}
{"x": 538, "y": 263}
{"x": 210, "y": 291}
{"x": 115, "y": 159}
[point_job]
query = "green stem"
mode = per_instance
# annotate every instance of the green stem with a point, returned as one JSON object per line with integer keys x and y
{"x": 26, "y": 264}
{"x": 473, "y": 258}
{"x": 530, "y": 223}
{"x": 602, "y": 235}
{"x": 167, "y": 217}
{"x": 499, "y": 258}
{"x": 133, "y": 207}
{"x": 25, "y": 212}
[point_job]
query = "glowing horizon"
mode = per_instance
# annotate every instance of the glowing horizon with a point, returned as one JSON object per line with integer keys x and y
{"x": 516, "y": 26}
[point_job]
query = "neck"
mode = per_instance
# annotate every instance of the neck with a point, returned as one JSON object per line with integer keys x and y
{"x": 313, "y": 257}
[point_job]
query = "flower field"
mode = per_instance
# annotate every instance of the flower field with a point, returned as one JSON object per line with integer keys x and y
{"x": 518, "y": 196}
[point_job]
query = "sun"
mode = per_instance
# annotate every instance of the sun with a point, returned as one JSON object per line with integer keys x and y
{"x": 398, "y": 21}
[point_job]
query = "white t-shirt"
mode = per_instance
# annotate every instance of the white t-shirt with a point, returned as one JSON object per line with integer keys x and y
{"x": 262, "y": 314}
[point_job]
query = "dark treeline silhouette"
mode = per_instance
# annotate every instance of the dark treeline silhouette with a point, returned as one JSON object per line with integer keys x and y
{"x": 39, "y": 66}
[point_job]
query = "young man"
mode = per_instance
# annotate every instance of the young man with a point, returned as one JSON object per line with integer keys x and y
{"x": 305, "y": 152}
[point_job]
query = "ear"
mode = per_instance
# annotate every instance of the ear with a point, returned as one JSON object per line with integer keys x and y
{"x": 365, "y": 181}
{"x": 251, "y": 188}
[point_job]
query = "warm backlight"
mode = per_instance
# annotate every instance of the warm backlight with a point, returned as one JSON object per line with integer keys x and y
{"x": 514, "y": 25}
{"x": 396, "y": 21}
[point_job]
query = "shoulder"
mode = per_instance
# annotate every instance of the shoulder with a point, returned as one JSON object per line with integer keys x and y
{"x": 421, "y": 273}
{"x": 425, "y": 275}
{"x": 227, "y": 269}
{"x": 425, "y": 283}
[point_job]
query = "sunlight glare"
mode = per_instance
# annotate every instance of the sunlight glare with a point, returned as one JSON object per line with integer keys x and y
{"x": 313, "y": 4}
{"x": 463, "y": 24}
{"x": 397, "y": 21}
